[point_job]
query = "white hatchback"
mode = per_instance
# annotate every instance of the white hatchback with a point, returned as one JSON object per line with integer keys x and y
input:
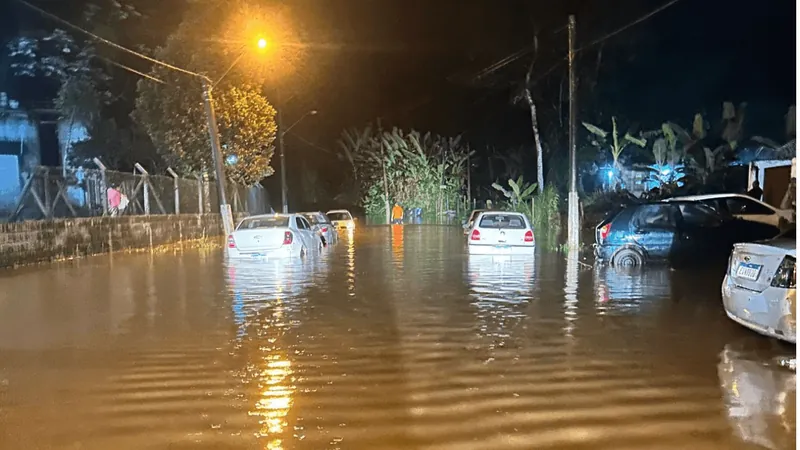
{"x": 760, "y": 287}
{"x": 501, "y": 233}
{"x": 273, "y": 235}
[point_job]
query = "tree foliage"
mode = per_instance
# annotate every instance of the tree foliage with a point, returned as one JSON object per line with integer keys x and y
{"x": 173, "y": 112}
{"x": 421, "y": 171}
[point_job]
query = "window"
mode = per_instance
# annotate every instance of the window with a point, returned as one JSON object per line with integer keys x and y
{"x": 340, "y": 215}
{"x": 264, "y": 222}
{"x": 654, "y": 217}
{"x": 508, "y": 221}
{"x": 302, "y": 224}
{"x": 698, "y": 215}
{"x": 315, "y": 218}
{"x": 743, "y": 207}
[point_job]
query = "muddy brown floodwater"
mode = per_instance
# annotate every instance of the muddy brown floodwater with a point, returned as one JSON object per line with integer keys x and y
{"x": 393, "y": 339}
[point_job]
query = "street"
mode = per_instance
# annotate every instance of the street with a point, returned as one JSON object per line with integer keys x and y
{"x": 394, "y": 338}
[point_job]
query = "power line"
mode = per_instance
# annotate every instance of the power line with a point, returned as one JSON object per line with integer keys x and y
{"x": 587, "y": 46}
{"x": 106, "y": 41}
{"x": 134, "y": 71}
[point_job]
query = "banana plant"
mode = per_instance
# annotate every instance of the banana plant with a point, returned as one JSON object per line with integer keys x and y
{"x": 617, "y": 144}
{"x": 519, "y": 191}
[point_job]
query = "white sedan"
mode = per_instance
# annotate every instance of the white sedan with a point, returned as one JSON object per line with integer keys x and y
{"x": 742, "y": 206}
{"x": 759, "y": 289}
{"x": 273, "y": 235}
{"x": 501, "y": 233}
{"x": 342, "y": 219}
{"x": 322, "y": 225}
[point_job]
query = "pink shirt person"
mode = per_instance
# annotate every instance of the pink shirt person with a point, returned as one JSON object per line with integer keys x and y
{"x": 114, "y": 197}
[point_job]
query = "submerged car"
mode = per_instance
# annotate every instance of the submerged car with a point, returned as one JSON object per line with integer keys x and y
{"x": 741, "y": 206}
{"x": 501, "y": 233}
{"x": 322, "y": 225}
{"x": 342, "y": 219}
{"x": 471, "y": 219}
{"x": 273, "y": 235}
{"x": 676, "y": 232}
{"x": 760, "y": 285}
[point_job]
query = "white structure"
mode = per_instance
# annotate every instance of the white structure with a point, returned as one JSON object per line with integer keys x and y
{"x": 19, "y": 150}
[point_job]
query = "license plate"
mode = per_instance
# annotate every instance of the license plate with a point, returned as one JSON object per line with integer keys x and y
{"x": 258, "y": 255}
{"x": 502, "y": 246}
{"x": 748, "y": 271}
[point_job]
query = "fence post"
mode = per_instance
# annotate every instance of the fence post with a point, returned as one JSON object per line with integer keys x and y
{"x": 146, "y": 187}
{"x": 199, "y": 194}
{"x": 177, "y": 190}
{"x": 103, "y": 184}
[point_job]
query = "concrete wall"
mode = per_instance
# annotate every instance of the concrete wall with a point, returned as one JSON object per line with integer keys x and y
{"x": 40, "y": 240}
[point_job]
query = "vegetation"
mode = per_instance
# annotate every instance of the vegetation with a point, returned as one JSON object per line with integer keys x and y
{"x": 409, "y": 168}
{"x": 87, "y": 94}
{"x": 617, "y": 143}
{"x": 172, "y": 111}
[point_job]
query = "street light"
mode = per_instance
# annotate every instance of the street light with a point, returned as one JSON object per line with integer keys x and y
{"x": 282, "y": 153}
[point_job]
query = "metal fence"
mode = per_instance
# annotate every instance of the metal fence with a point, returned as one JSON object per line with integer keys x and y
{"x": 55, "y": 192}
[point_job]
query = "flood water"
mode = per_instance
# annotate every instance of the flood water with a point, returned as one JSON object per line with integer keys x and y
{"x": 393, "y": 339}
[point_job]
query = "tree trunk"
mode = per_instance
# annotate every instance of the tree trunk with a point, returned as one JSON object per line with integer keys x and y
{"x": 537, "y": 140}
{"x": 386, "y": 193}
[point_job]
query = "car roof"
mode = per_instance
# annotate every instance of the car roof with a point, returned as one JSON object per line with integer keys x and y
{"x": 699, "y": 198}
{"x": 311, "y": 212}
{"x": 267, "y": 216}
{"x": 495, "y": 211}
{"x": 339, "y": 211}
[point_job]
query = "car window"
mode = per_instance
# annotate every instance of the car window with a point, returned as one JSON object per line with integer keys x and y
{"x": 699, "y": 215}
{"x": 324, "y": 218}
{"x": 508, "y": 221}
{"x": 315, "y": 218}
{"x": 301, "y": 223}
{"x": 339, "y": 216}
{"x": 305, "y": 223}
{"x": 264, "y": 222}
{"x": 744, "y": 206}
{"x": 655, "y": 217}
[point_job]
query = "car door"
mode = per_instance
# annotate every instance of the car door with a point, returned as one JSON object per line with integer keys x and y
{"x": 752, "y": 210}
{"x": 655, "y": 229}
{"x": 701, "y": 232}
{"x": 304, "y": 230}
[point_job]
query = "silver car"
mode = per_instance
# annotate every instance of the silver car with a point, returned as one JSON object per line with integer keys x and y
{"x": 322, "y": 225}
{"x": 759, "y": 289}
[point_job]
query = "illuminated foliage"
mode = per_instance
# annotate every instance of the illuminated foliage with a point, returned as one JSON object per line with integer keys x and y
{"x": 173, "y": 113}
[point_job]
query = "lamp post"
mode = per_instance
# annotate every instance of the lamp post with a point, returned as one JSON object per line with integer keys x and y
{"x": 282, "y": 154}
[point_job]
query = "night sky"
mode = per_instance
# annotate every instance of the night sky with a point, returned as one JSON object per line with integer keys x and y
{"x": 412, "y": 62}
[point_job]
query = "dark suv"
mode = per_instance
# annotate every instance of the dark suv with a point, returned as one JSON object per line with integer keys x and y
{"x": 675, "y": 232}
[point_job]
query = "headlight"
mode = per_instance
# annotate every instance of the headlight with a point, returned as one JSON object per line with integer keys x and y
{"x": 785, "y": 277}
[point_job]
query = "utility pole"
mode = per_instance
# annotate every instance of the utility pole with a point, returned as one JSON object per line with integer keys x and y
{"x": 216, "y": 153}
{"x": 573, "y": 217}
{"x": 282, "y": 153}
{"x": 469, "y": 178}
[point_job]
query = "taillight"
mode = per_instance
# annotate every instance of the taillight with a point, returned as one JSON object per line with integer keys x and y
{"x": 786, "y": 276}
{"x": 605, "y": 230}
{"x": 529, "y": 236}
{"x": 475, "y": 236}
{"x": 288, "y": 237}
{"x": 324, "y": 229}
{"x": 231, "y": 242}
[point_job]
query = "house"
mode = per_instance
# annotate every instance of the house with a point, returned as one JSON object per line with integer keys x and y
{"x": 772, "y": 168}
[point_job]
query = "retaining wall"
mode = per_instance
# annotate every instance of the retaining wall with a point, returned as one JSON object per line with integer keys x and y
{"x": 48, "y": 240}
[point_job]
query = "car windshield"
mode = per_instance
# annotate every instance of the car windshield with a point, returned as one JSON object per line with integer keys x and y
{"x": 510, "y": 221}
{"x": 264, "y": 222}
{"x": 316, "y": 218}
{"x": 339, "y": 216}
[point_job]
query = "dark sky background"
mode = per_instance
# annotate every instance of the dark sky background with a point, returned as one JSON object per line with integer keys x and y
{"x": 410, "y": 63}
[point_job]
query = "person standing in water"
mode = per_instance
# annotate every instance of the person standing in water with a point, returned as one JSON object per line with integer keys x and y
{"x": 397, "y": 214}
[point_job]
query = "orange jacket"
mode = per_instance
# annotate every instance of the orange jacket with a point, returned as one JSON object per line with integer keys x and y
{"x": 397, "y": 212}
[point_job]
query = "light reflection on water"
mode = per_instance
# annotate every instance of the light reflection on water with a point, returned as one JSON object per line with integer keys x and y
{"x": 394, "y": 338}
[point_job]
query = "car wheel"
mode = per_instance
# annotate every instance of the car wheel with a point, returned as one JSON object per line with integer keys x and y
{"x": 627, "y": 257}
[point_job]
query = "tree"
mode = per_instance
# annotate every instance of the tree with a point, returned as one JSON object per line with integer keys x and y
{"x": 172, "y": 111}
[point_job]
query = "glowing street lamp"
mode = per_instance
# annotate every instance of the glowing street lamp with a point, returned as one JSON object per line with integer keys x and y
{"x": 262, "y": 43}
